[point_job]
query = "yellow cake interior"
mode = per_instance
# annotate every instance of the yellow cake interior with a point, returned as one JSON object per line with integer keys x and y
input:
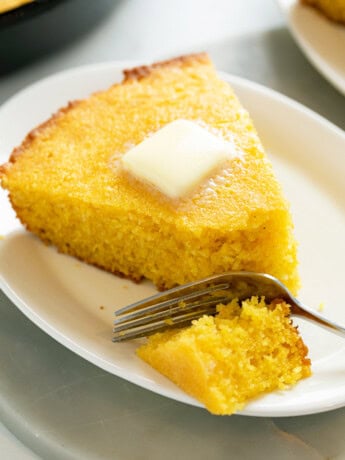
{"x": 225, "y": 361}
{"x": 66, "y": 186}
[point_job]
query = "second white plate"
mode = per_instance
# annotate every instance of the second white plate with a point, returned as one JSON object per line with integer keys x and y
{"x": 64, "y": 297}
{"x": 322, "y": 40}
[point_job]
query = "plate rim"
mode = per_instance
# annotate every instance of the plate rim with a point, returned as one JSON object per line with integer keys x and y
{"x": 322, "y": 65}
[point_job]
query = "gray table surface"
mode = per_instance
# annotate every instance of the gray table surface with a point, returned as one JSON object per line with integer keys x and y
{"x": 54, "y": 404}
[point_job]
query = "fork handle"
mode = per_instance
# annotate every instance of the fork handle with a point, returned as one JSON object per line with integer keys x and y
{"x": 315, "y": 317}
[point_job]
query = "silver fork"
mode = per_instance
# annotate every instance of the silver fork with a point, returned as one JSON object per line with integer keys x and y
{"x": 181, "y": 305}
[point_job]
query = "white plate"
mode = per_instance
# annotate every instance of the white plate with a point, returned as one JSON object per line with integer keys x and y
{"x": 322, "y": 40}
{"x": 62, "y": 296}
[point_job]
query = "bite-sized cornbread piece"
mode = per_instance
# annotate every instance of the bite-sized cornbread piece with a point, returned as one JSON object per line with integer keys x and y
{"x": 333, "y": 9}
{"x": 227, "y": 360}
{"x": 67, "y": 185}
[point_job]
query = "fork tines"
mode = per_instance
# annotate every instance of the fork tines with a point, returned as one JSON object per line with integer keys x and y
{"x": 177, "y": 307}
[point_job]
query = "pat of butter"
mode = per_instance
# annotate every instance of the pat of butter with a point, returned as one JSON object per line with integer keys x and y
{"x": 178, "y": 157}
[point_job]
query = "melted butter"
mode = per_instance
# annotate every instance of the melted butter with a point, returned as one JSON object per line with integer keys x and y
{"x": 205, "y": 193}
{"x": 178, "y": 157}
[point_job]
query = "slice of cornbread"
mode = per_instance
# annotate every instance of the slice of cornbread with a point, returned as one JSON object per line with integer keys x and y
{"x": 67, "y": 187}
{"x": 227, "y": 360}
{"x": 333, "y": 9}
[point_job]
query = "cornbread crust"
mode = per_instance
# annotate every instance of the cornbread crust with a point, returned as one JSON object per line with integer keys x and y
{"x": 335, "y": 13}
{"x": 31, "y": 136}
{"x": 135, "y": 73}
{"x": 225, "y": 361}
{"x": 201, "y": 239}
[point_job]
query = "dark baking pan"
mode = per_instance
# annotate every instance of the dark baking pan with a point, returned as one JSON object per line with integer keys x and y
{"x": 42, "y": 26}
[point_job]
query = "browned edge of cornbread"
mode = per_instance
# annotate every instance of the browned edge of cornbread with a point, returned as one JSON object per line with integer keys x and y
{"x": 17, "y": 151}
{"x": 136, "y": 73}
{"x": 322, "y": 12}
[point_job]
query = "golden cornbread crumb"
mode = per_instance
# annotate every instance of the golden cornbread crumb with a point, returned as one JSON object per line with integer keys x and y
{"x": 321, "y": 306}
{"x": 333, "y": 9}
{"x": 227, "y": 360}
{"x": 65, "y": 185}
